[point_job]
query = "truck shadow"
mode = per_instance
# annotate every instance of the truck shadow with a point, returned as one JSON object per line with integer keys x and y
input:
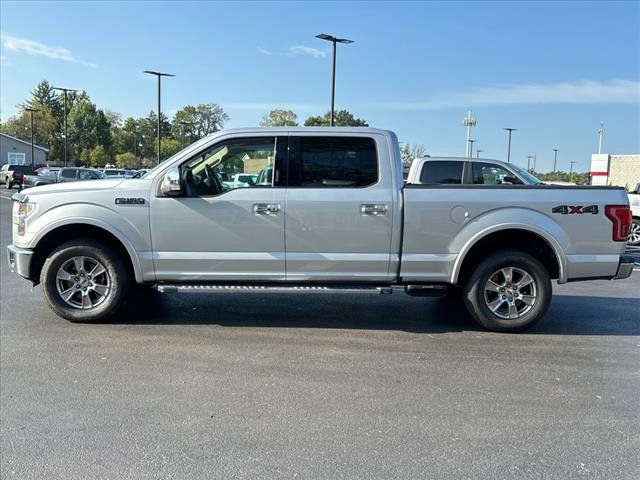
{"x": 568, "y": 315}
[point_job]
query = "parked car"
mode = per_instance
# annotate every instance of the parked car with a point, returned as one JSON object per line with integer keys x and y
{"x": 468, "y": 171}
{"x": 47, "y": 170}
{"x": 114, "y": 172}
{"x": 351, "y": 225}
{"x": 11, "y": 175}
{"x": 241, "y": 180}
{"x": 62, "y": 175}
{"x": 634, "y": 229}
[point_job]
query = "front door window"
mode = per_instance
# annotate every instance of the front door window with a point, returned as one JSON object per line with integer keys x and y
{"x": 236, "y": 163}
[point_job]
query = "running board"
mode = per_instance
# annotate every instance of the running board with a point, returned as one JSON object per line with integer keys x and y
{"x": 421, "y": 290}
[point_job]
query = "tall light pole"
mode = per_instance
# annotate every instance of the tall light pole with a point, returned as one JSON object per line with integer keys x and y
{"x": 478, "y": 151}
{"x": 334, "y": 40}
{"x": 65, "y": 90}
{"x": 571, "y": 170}
{"x": 468, "y": 121}
{"x": 509, "y": 142}
{"x": 159, "y": 75}
{"x": 471, "y": 142}
{"x": 555, "y": 158}
{"x": 600, "y": 137}
{"x": 33, "y": 157}
{"x": 529, "y": 157}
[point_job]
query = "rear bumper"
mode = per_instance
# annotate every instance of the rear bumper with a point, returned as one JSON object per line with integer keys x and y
{"x": 19, "y": 260}
{"x": 625, "y": 267}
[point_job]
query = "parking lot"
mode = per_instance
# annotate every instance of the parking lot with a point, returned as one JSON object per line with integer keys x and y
{"x": 320, "y": 386}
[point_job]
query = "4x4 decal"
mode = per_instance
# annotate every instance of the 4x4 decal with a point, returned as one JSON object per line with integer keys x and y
{"x": 575, "y": 209}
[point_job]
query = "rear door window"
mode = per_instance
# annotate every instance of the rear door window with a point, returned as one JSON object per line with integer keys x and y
{"x": 492, "y": 174}
{"x": 446, "y": 172}
{"x": 68, "y": 173}
{"x": 332, "y": 162}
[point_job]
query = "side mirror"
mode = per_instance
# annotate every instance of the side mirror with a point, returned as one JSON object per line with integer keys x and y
{"x": 171, "y": 185}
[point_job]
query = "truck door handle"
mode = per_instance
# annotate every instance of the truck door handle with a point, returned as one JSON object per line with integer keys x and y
{"x": 266, "y": 208}
{"x": 373, "y": 209}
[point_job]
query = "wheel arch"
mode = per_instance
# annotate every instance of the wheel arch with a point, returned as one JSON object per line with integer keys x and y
{"x": 53, "y": 237}
{"x": 536, "y": 242}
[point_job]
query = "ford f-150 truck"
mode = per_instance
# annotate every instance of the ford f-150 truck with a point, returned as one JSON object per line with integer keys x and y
{"x": 333, "y": 215}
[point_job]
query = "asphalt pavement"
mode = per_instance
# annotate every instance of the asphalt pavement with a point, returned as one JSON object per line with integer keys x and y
{"x": 318, "y": 386}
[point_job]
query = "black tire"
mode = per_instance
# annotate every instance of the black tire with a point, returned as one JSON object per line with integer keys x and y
{"x": 116, "y": 273}
{"x": 8, "y": 184}
{"x": 635, "y": 227}
{"x": 477, "y": 302}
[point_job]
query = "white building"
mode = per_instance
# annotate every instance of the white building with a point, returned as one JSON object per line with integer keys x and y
{"x": 619, "y": 170}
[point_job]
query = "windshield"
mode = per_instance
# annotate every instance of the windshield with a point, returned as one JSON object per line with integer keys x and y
{"x": 529, "y": 178}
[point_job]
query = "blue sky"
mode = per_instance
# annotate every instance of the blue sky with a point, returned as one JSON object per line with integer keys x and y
{"x": 552, "y": 70}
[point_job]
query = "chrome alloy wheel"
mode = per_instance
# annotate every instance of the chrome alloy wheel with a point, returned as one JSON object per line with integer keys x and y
{"x": 634, "y": 233}
{"x": 510, "y": 293}
{"x": 83, "y": 282}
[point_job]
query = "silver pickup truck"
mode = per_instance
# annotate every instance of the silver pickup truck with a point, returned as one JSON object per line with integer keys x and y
{"x": 333, "y": 214}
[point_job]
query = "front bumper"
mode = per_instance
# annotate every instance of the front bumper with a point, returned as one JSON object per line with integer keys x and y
{"x": 625, "y": 267}
{"x": 19, "y": 260}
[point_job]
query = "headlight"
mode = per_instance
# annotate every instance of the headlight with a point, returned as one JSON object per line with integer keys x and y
{"x": 24, "y": 209}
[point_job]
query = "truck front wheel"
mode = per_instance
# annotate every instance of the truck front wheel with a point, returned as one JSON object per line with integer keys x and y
{"x": 509, "y": 291}
{"x": 84, "y": 281}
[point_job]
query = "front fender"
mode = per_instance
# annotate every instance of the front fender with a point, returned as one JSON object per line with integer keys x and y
{"x": 511, "y": 218}
{"x": 136, "y": 240}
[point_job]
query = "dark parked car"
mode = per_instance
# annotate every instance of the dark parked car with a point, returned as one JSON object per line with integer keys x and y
{"x": 12, "y": 175}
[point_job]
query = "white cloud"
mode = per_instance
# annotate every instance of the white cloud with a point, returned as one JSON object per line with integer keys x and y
{"x": 32, "y": 47}
{"x": 585, "y": 91}
{"x": 295, "y": 51}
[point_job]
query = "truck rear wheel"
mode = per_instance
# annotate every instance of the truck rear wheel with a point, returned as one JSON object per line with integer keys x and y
{"x": 509, "y": 291}
{"x": 84, "y": 281}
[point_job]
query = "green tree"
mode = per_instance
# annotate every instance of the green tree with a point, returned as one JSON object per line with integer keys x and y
{"x": 98, "y": 156}
{"x": 197, "y": 121}
{"x": 168, "y": 147}
{"x": 126, "y": 160}
{"x": 44, "y": 96}
{"x": 88, "y": 127}
{"x": 343, "y": 118}
{"x": 280, "y": 118}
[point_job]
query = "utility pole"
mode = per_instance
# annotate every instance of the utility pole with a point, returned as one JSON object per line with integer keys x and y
{"x": 334, "y": 40}
{"x": 478, "y": 151}
{"x": 571, "y": 170}
{"x": 471, "y": 142}
{"x": 469, "y": 122}
{"x": 535, "y": 161}
{"x": 509, "y": 143}
{"x": 159, "y": 75}
{"x": 600, "y": 137}
{"x": 65, "y": 90}
{"x": 33, "y": 157}
{"x": 555, "y": 159}
{"x": 529, "y": 157}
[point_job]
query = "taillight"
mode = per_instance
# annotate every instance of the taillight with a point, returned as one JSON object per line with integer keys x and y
{"x": 620, "y": 216}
